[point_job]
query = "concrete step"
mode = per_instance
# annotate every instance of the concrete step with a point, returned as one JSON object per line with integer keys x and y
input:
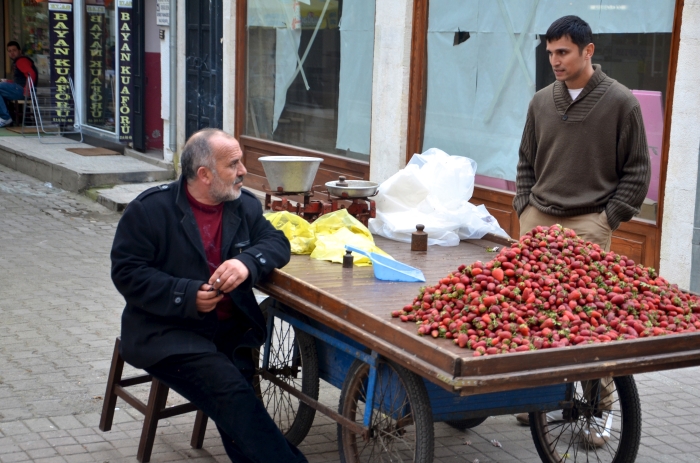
{"x": 50, "y": 162}
{"x": 119, "y": 196}
{"x": 150, "y": 158}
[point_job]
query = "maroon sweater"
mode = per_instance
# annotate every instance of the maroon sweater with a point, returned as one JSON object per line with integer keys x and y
{"x": 209, "y": 222}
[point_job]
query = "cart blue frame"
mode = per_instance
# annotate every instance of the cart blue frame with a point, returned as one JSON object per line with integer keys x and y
{"x": 337, "y": 352}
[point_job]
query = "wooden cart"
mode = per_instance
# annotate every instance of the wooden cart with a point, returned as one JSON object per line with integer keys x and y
{"x": 332, "y": 323}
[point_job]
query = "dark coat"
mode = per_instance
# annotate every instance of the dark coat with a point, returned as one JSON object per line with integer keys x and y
{"x": 158, "y": 264}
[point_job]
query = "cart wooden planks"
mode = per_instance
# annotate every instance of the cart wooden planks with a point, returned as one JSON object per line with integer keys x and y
{"x": 354, "y": 303}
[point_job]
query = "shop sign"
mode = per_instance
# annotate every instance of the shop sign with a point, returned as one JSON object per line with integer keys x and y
{"x": 96, "y": 63}
{"x": 163, "y": 13}
{"x": 126, "y": 83}
{"x": 61, "y": 59}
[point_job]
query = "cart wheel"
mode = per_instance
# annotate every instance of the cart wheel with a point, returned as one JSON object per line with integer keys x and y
{"x": 466, "y": 424}
{"x": 294, "y": 360}
{"x": 572, "y": 434}
{"x": 401, "y": 426}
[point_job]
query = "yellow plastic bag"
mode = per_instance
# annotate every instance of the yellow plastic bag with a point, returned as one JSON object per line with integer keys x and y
{"x": 335, "y": 230}
{"x": 330, "y": 223}
{"x": 298, "y": 231}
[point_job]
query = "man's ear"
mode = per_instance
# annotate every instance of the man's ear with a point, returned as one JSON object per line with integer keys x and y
{"x": 589, "y": 50}
{"x": 204, "y": 175}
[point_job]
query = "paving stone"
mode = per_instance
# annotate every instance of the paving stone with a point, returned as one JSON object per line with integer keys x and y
{"x": 82, "y": 458}
{"x": 13, "y": 428}
{"x": 29, "y": 437}
{"x": 10, "y": 447}
{"x": 14, "y": 457}
{"x": 32, "y": 445}
{"x": 53, "y": 459}
{"x": 36, "y": 454}
{"x": 66, "y": 422}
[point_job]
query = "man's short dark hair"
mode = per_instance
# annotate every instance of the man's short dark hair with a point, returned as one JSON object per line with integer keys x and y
{"x": 197, "y": 152}
{"x": 576, "y": 28}
{"x": 12, "y": 43}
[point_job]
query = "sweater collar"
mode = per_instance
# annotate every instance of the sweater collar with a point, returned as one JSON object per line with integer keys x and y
{"x": 564, "y": 98}
{"x": 230, "y": 220}
{"x": 184, "y": 204}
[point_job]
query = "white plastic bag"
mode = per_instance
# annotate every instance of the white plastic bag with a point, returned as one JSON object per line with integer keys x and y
{"x": 434, "y": 190}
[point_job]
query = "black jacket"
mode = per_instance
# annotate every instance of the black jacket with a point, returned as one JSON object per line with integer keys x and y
{"x": 158, "y": 264}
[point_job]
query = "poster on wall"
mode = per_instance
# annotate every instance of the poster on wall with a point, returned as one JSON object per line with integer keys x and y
{"x": 61, "y": 60}
{"x": 95, "y": 40}
{"x": 163, "y": 13}
{"x": 126, "y": 83}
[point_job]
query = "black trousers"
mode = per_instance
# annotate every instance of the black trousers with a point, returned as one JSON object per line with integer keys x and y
{"x": 219, "y": 384}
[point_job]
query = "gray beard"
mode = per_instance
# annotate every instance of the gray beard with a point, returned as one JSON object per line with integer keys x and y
{"x": 222, "y": 193}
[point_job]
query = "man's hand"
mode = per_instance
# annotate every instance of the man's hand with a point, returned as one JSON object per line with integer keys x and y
{"x": 229, "y": 275}
{"x": 207, "y": 298}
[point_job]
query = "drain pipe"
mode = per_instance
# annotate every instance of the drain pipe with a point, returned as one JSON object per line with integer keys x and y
{"x": 173, "y": 83}
{"x": 695, "y": 264}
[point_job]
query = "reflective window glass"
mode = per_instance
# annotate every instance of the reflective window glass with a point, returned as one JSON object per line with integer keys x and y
{"x": 34, "y": 39}
{"x": 100, "y": 79}
{"x": 309, "y": 74}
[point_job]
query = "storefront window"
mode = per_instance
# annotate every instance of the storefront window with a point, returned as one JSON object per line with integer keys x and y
{"x": 100, "y": 82}
{"x": 486, "y": 59}
{"x": 34, "y": 37}
{"x": 309, "y": 76}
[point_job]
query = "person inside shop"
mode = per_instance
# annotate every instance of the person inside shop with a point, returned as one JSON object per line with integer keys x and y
{"x": 583, "y": 159}
{"x": 185, "y": 257}
{"x": 23, "y": 68}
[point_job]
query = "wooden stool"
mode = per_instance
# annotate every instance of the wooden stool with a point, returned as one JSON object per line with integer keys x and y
{"x": 153, "y": 411}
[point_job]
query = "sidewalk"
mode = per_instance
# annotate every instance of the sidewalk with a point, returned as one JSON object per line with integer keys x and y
{"x": 51, "y": 162}
{"x": 60, "y": 314}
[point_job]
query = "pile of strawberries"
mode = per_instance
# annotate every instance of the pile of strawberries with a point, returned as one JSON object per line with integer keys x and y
{"x": 550, "y": 289}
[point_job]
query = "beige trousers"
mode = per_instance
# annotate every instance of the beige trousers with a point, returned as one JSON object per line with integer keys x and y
{"x": 590, "y": 227}
{"x": 593, "y": 228}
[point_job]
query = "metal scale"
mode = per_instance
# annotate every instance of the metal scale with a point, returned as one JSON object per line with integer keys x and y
{"x": 294, "y": 175}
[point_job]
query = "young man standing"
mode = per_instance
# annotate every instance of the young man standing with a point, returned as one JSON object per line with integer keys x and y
{"x": 15, "y": 89}
{"x": 583, "y": 159}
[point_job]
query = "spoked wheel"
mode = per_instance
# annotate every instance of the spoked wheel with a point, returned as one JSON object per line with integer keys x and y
{"x": 603, "y": 425}
{"x": 294, "y": 360}
{"x": 401, "y": 425}
{"x": 466, "y": 424}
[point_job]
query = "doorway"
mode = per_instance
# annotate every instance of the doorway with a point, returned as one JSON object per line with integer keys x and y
{"x": 204, "y": 65}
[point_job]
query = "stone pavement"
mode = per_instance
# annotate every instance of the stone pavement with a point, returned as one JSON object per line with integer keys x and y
{"x": 59, "y": 315}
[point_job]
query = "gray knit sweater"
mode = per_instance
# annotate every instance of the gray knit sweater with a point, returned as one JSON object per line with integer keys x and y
{"x": 584, "y": 156}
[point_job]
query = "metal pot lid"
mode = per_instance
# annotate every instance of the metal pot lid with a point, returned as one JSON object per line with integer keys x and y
{"x": 354, "y": 188}
{"x": 354, "y": 184}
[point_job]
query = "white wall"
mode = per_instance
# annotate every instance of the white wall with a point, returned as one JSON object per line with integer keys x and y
{"x": 181, "y": 74}
{"x": 164, "y": 45}
{"x": 229, "y": 71}
{"x": 681, "y": 176}
{"x": 151, "y": 40}
{"x": 392, "y": 60}
{"x": 169, "y": 155}
{"x": 165, "y": 93}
